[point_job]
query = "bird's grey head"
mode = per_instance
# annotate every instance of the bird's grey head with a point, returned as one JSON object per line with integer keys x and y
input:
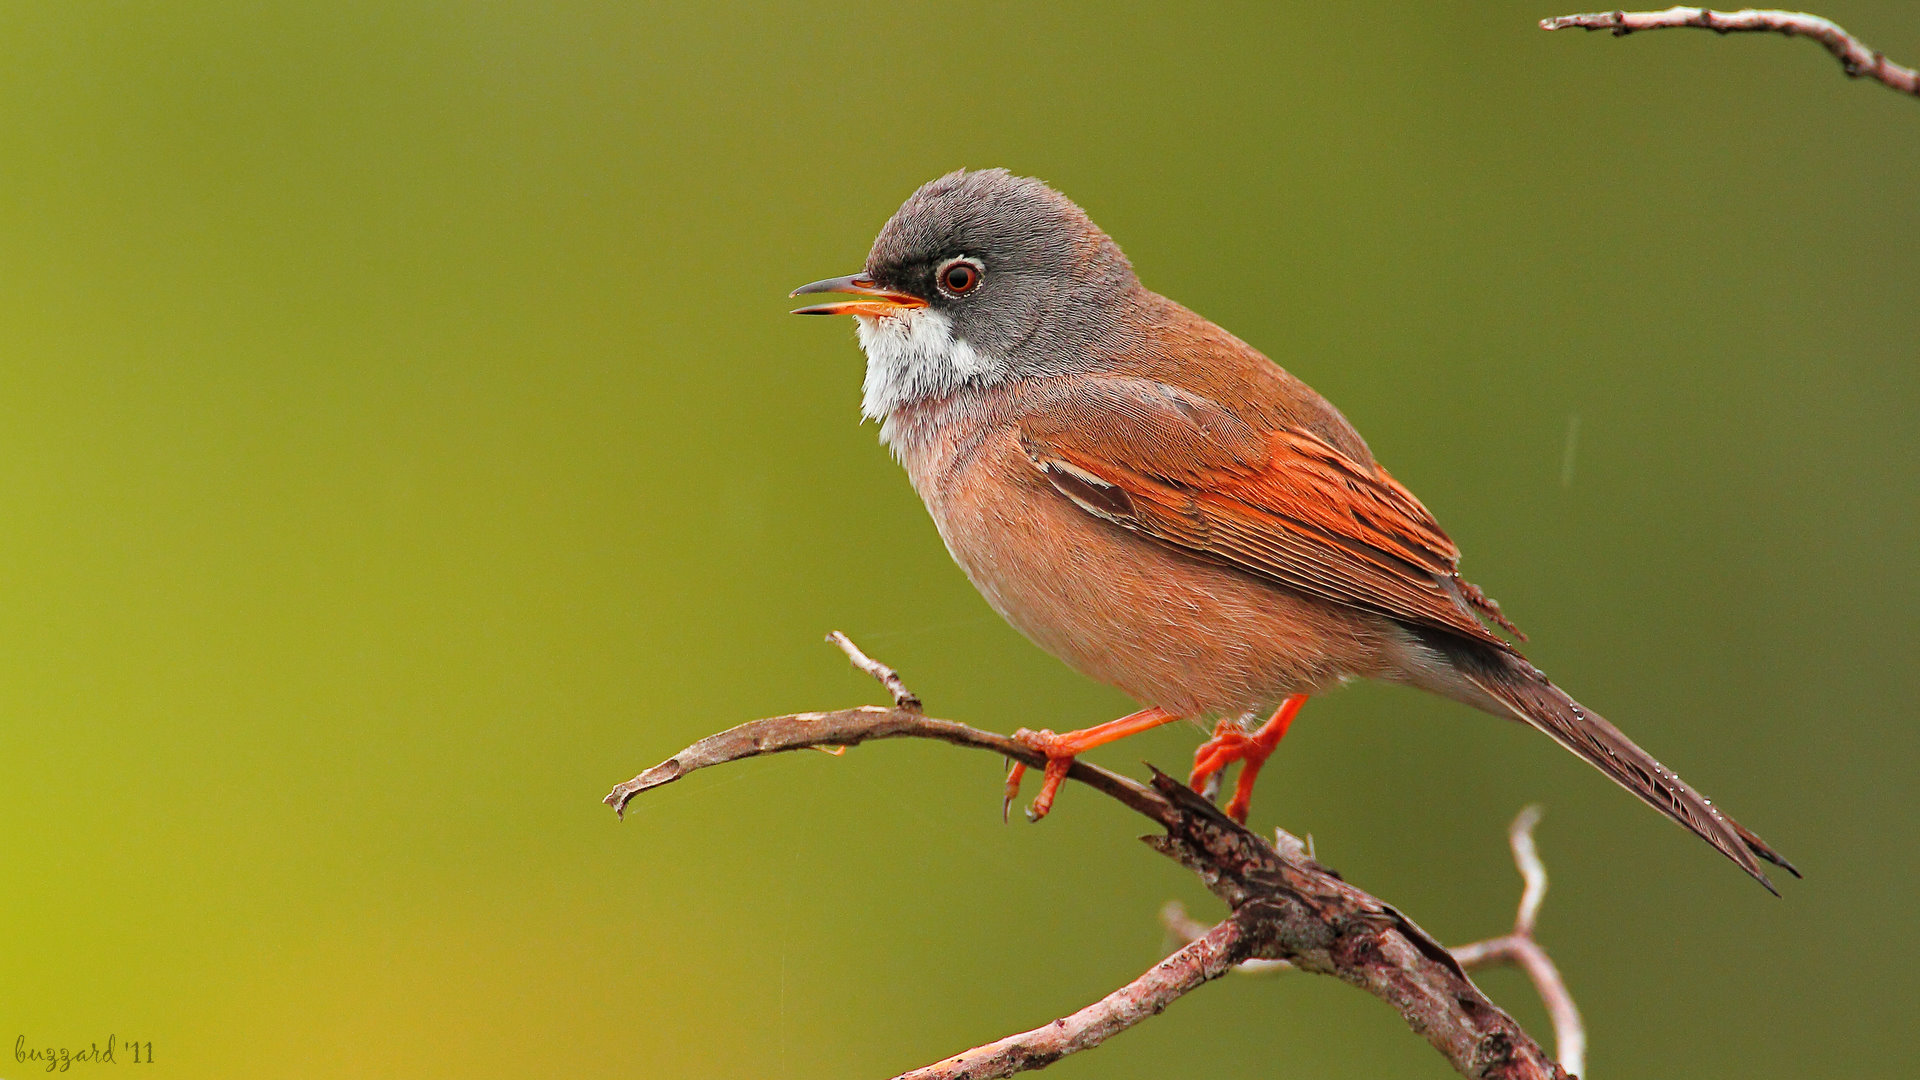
{"x": 978, "y": 278}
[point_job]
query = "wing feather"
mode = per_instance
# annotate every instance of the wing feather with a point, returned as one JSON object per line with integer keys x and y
{"x": 1283, "y": 504}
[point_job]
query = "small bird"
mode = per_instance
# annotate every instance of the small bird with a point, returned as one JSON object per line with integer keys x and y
{"x": 1153, "y": 501}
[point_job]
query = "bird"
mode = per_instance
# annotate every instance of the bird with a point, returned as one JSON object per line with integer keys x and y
{"x": 1158, "y": 504}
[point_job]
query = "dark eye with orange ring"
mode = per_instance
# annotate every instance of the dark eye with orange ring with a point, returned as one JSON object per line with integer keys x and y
{"x": 960, "y": 275}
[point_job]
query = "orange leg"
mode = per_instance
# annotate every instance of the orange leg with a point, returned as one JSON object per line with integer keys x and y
{"x": 1230, "y": 744}
{"x": 1061, "y": 750}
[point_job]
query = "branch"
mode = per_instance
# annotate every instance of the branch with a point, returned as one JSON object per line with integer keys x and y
{"x": 1201, "y": 960}
{"x": 1854, "y": 56}
{"x": 1519, "y": 947}
{"x": 903, "y": 698}
{"x": 1283, "y": 904}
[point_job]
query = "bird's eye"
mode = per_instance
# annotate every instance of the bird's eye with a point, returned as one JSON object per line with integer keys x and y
{"x": 960, "y": 275}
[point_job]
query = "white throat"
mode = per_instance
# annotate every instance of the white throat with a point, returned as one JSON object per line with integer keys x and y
{"x": 912, "y": 356}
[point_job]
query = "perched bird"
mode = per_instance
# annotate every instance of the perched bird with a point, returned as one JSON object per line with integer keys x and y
{"x": 1153, "y": 501}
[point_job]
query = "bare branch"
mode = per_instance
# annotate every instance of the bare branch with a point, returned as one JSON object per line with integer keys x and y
{"x": 1519, "y": 947}
{"x": 903, "y": 698}
{"x": 1854, "y": 56}
{"x": 1203, "y": 959}
{"x": 1284, "y": 906}
{"x": 851, "y": 727}
{"x": 1533, "y": 872}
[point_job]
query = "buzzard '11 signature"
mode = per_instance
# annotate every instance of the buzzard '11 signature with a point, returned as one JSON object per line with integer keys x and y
{"x": 63, "y": 1058}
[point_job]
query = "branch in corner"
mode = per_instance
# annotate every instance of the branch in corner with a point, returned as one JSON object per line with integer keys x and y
{"x": 1283, "y": 905}
{"x": 1855, "y": 57}
{"x": 1518, "y": 948}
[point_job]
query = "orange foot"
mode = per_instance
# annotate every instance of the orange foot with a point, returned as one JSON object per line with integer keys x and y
{"x": 1060, "y": 751}
{"x": 1230, "y": 744}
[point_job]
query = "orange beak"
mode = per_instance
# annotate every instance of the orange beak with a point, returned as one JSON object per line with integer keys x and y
{"x": 878, "y": 301}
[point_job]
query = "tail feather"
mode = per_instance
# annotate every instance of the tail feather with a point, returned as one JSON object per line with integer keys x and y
{"x": 1523, "y": 690}
{"x": 1759, "y": 847}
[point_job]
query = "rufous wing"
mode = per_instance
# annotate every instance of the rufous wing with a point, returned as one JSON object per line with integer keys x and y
{"x": 1283, "y": 504}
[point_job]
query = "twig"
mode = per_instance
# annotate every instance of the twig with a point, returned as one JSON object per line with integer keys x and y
{"x": 903, "y": 698}
{"x": 1519, "y": 947}
{"x": 1205, "y": 958}
{"x": 1284, "y": 906}
{"x": 1854, "y": 56}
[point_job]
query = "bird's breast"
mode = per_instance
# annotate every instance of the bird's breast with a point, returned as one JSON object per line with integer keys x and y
{"x": 1170, "y": 629}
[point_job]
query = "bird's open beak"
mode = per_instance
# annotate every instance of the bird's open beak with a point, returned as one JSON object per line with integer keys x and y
{"x": 878, "y": 301}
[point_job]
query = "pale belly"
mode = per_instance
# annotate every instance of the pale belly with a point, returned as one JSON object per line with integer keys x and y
{"x": 1192, "y": 637}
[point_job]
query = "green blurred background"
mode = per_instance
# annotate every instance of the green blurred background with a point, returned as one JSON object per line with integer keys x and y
{"x": 402, "y": 439}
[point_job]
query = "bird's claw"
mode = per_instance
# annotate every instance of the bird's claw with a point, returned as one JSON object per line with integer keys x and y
{"x": 1058, "y": 762}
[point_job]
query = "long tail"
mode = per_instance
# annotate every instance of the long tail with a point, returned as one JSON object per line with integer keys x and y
{"x": 1512, "y": 682}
